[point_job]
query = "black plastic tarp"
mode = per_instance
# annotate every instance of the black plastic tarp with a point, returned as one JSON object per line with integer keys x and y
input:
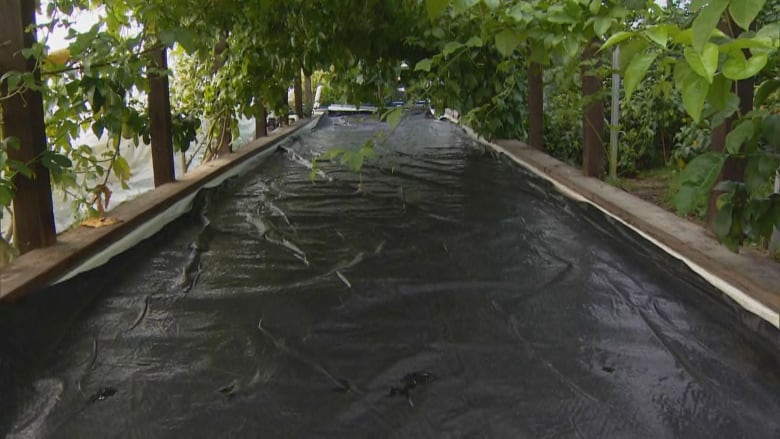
{"x": 439, "y": 292}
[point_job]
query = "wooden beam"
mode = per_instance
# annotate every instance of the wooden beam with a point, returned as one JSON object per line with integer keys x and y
{"x": 23, "y": 119}
{"x": 160, "y": 123}
{"x": 536, "y": 105}
{"x": 593, "y": 118}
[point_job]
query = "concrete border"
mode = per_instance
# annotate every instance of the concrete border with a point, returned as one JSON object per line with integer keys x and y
{"x": 81, "y": 248}
{"x": 750, "y": 280}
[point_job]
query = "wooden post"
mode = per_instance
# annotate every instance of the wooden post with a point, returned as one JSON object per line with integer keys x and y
{"x": 23, "y": 119}
{"x": 261, "y": 129}
{"x": 536, "y": 105}
{"x": 160, "y": 120}
{"x": 593, "y": 120}
{"x": 734, "y": 168}
{"x": 308, "y": 95}
{"x": 298, "y": 90}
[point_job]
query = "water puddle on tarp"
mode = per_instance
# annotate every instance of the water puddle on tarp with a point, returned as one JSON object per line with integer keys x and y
{"x": 439, "y": 292}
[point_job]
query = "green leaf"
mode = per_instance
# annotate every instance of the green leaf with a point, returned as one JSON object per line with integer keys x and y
{"x": 353, "y": 159}
{"x": 754, "y": 180}
{"x": 121, "y": 168}
{"x": 6, "y": 194}
{"x": 767, "y": 166}
{"x": 393, "y": 117}
{"x": 770, "y": 128}
{"x": 764, "y": 91}
{"x": 637, "y": 70}
{"x": 693, "y": 88}
{"x": 61, "y": 160}
{"x": 435, "y": 7}
{"x": 167, "y": 36}
{"x": 12, "y": 79}
{"x": 507, "y": 41}
{"x": 629, "y": 50}
{"x": 460, "y": 6}
{"x": 522, "y": 12}
{"x": 731, "y": 107}
{"x": 474, "y": 42}
{"x": 721, "y": 223}
{"x": 707, "y": 21}
{"x": 594, "y": 7}
{"x": 20, "y": 167}
{"x": 97, "y": 129}
{"x": 616, "y": 39}
{"x": 601, "y": 25}
{"x": 737, "y": 67}
{"x": 557, "y": 14}
{"x": 704, "y": 63}
{"x": 684, "y": 37}
{"x": 739, "y": 135}
{"x": 771, "y": 31}
{"x": 12, "y": 142}
{"x": 697, "y": 179}
{"x": 745, "y": 11}
{"x": 187, "y": 39}
{"x": 424, "y": 65}
{"x": 720, "y": 92}
{"x": 658, "y": 34}
{"x": 744, "y": 42}
{"x": 451, "y": 47}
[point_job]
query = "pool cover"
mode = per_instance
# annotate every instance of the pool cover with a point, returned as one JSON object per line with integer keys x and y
{"x": 440, "y": 292}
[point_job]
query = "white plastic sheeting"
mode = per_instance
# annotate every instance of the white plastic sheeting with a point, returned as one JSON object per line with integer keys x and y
{"x": 142, "y": 179}
{"x": 179, "y": 208}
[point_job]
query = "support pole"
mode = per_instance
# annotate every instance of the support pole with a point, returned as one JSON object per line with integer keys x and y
{"x": 734, "y": 168}
{"x": 774, "y": 242}
{"x": 298, "y": 92}
{"x": 593, "y": 120}
{"x": 308, "y": 95}
{"x": 615, "y": 117}
{"x": 160, "y": 123}
{"x": 261, "y": 128}
{"x": 536, "y": 105}
{"x": 23, "y": 119}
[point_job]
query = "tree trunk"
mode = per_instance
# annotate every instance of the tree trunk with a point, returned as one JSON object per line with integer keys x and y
{"x": 225, "y": 137}
{"x": 536, "y": 105}
{"x": 160, "y": 123}
{"x": 298, "y": 90}
{"x": 593, "y": 120}
{"x": 23, "y": 118}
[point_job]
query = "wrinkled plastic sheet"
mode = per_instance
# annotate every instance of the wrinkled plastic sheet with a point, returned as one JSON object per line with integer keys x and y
{"x": 439, "y": 292}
